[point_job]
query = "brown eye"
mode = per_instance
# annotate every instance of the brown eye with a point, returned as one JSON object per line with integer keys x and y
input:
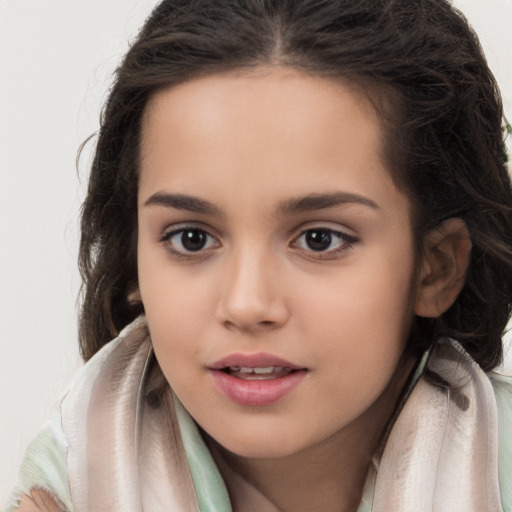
{"x": 193, "y": 239}
{"x": 188, "y": 240}
{"x": 318, "y": 239}
{"x": 324, "y": 241}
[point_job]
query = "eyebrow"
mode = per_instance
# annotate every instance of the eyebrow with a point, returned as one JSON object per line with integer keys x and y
{"x": 311, "y": 202}
{"x": 183, "y": 202}
{"x": 314, "y": 202}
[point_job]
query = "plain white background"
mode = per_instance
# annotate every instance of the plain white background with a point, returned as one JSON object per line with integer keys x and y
{"x": 56, "y": 62}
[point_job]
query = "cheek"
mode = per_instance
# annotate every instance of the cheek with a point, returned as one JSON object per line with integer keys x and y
{"x": 174, "y": 321}
{"x": 359, "y": 298}
{"x": 170, "y": 291}
{"x": 358, "y": 340}
{"x": 361, "y": 314}
{"x": 176, "y": 305}
{"x": 176, "y": 316}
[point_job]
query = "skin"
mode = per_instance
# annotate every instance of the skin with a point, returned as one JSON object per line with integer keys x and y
{"x": 38, "y": 501}
{"x": 250, "y": 144}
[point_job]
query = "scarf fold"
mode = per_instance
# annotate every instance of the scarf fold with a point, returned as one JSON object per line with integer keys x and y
{"x": 126, "y": 453}
{"x": 442, "y": 452}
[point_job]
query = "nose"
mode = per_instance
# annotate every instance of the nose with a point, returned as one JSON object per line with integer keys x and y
{"x": 252, "y": 298}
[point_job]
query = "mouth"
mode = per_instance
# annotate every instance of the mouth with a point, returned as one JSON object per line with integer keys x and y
{"x": 260, "y": 363}
{"x": 257, "y": 373}
{"x": 256, "y": 379}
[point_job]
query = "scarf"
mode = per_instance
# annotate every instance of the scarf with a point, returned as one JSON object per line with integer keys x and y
{"x": 127, "y": 452}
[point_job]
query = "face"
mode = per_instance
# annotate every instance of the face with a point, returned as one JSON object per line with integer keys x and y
{"x": 275, "y": 253}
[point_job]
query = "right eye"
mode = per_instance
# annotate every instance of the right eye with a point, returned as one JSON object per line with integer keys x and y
{"x": 187, "y": 241}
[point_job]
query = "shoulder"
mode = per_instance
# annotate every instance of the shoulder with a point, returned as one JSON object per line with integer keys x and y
{"x": 43, "y": 480}
{"x": 44, "y": 477}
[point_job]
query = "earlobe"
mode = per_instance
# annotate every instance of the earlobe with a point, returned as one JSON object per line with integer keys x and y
{"x": 447, "y": 251}
{"x": 134, "y": 296}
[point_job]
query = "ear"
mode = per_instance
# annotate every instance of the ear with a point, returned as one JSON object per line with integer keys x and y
{"x": 134, "y": 296}
{"x": 447, "y": 250}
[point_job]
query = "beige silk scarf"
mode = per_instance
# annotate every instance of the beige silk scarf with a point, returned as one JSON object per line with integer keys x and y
{"x": 126, "y": 454}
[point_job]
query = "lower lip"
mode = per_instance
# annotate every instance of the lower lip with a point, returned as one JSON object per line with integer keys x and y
{"x": 256, "y": 392}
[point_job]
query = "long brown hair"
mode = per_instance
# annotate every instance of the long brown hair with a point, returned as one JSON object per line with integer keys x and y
{"x": 424, "y": 70}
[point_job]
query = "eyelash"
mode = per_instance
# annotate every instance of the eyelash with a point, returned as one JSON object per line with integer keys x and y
{"x": 346, "y": 243}
{"x": 167, "y": 237}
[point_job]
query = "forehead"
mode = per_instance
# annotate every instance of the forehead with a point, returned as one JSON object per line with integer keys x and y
{"x": 273, "y": 130}
{"x": 279, "y": 99}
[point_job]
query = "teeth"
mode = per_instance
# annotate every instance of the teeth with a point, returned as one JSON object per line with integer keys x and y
{"x": 258, "y": 371}
{"x": 268, "y": 369}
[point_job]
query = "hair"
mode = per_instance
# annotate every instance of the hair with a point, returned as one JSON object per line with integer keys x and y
{"x": 424, "y": 70}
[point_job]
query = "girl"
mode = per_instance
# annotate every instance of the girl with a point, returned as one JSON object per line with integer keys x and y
{"x": 298, "y": 229}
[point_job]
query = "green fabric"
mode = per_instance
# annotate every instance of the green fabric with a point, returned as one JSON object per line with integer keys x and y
{"x": 503, "y": 390}
{"x": 45, "y": 466}
{"x": 211, "y": 492}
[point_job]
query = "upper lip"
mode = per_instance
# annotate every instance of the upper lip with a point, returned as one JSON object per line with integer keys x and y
{"x": 259, "y": 360}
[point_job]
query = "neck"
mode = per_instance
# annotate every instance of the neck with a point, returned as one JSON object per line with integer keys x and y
{"x": 328, "y": 476}
{"x": 299, "y": 483}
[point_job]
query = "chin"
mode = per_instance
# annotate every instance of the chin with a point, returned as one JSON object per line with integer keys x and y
{"x": 265, "y": 444}
{"x": 252, "y": 451}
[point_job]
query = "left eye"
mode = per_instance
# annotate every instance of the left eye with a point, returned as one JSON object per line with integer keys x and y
{"x": 189, "y": 240}
{"x": 323, "y": 240}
